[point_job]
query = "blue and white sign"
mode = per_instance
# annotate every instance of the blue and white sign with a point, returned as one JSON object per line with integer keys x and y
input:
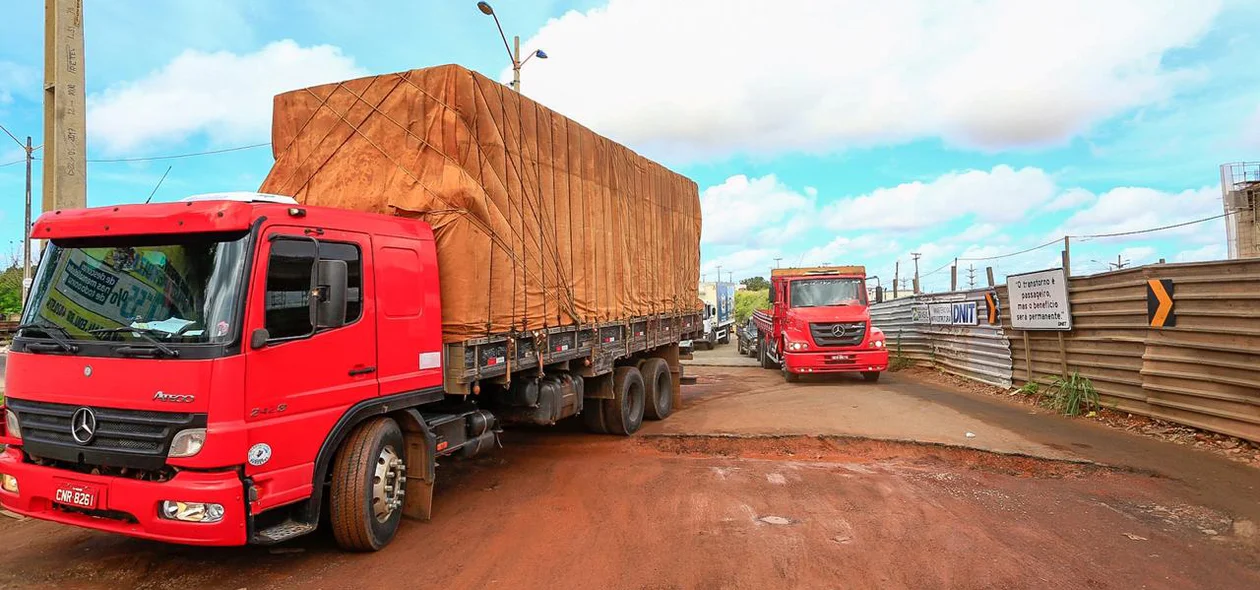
{"x": 962, "y": 313}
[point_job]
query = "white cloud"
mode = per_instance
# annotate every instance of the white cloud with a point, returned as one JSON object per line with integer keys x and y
{"x": 225, "y": 95}
{"x": 742, "y": 264}
{"x": 1070, "y": 199}
{"x": 713, "y": 77}
{"x": 747, "y": 211}
{"x": 1127, "y": 209}
{"x": 1208, "y": 252}
{"x": 1001, "y": 195}
{"x": 1137, "y": 255}
{"x": 848, "y": 250}
{"x": 17, "y": 80}
{"x": 1251, "y": 130}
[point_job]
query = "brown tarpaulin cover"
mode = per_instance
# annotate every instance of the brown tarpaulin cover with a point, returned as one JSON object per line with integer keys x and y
{"x": 539, "y": 221}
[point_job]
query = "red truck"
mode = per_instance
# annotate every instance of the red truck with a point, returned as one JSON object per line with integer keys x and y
{"x": 232, "y": 369}
{"x": 818, "y": 323}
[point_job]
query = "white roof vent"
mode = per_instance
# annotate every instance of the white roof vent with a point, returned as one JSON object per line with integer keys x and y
{"x": 243, "y": 196}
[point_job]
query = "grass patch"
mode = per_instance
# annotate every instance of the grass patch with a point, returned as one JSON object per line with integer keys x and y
{"x": 1072, "y": 396}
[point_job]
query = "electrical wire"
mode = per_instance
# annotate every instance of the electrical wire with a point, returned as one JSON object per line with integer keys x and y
{"x": 1050, "y": 243}
{"x": 1153, "y": 229}
{"x": 177, "y": 156}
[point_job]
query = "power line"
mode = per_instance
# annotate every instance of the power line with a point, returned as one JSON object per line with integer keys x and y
{"x": 1153, "y": 229}
{"x": 177, "y": 156}
{"x": 155, "y": 158}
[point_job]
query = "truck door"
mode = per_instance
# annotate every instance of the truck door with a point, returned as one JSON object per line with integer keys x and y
{"x": 301, "y": 380}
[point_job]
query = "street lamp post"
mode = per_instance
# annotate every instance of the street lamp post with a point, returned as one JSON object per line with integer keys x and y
{"x": 514, "y": 52}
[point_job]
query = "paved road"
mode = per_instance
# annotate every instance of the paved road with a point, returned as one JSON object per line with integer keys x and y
{"x": 678, "y": 507}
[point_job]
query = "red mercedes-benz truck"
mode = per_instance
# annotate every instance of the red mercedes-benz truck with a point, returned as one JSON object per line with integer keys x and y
{"x": 449, "y": 257}
{"x": 819, "y": 323}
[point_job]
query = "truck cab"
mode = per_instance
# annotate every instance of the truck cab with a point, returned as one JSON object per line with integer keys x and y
{"x": 819, "y": 323}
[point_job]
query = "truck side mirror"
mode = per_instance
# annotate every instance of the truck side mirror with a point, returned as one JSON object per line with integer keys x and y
{"x": 330, "y": 293}
{"x": 772, "y": 288}
{"x": 258, "y": 338}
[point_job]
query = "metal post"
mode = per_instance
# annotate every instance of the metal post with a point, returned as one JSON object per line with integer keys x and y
{"x": 896, "y": 276}
{"x": 516, "y": 64}
{"x": 953, "y": 277}
{"x": 26, "y": 227}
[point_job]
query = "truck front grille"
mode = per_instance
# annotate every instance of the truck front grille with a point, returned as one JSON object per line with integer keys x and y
{"x": 825, "y": 334}
{"x": 122, "y": 438}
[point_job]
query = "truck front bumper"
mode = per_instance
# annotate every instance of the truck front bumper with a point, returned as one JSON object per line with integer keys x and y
{"x": 837, "y": 361}
{"x": 129, "y": 506}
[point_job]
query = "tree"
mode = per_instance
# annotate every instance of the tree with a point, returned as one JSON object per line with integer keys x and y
{"x": 746, "y": 302}
{"x": 756, "y": 284}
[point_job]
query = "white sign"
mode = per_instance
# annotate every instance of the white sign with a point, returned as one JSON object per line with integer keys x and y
{"x": 1039, "y": 301}
{"x": 941, "y": 313}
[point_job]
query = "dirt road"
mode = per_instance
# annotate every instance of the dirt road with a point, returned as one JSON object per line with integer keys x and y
{"x": 678, "y": 508}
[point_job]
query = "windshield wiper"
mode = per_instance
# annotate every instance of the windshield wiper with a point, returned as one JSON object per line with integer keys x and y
{"x": 145, "y": 333}
{"x": 58, "y": 334}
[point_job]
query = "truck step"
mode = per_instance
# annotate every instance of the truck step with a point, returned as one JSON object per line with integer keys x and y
{"x": 282, "y": 532}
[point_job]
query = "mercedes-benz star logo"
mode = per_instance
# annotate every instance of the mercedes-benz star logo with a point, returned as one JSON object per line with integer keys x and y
{"x": 83, "y": 426}
{"x": 838, "y": 330}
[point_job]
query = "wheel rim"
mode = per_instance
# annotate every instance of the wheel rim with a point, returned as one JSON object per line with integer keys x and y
{"x": 389, "y": 483}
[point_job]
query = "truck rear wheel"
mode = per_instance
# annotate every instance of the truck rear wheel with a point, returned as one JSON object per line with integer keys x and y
{"x": 624, "y": 413}
{"x": 369, "y": 480}
{"x": 593, "y": 416}
{"x": 658, "y": 388}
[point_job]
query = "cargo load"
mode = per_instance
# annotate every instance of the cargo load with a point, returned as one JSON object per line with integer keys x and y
{"x": 539, "y": 221}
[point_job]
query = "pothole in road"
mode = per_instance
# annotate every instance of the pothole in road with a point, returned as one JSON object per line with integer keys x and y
{"x": 828, "y": 449}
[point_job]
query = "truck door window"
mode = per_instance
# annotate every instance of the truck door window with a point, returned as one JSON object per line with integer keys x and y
{"x": 289, "y": 284}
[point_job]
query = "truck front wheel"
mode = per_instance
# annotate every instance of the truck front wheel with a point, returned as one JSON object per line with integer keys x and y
{"x": 368, "y": 483}
{"x": 871, "y": 376}
{"x": 624, "y": 413}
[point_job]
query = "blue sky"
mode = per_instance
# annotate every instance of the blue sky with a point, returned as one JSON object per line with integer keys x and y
{"x": 818, "y": 131}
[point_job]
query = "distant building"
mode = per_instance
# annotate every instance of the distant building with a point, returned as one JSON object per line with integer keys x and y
{"x": 1240, "y": 192}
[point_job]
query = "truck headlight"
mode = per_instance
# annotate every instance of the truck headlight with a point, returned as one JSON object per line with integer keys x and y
{"x": 11, "y": 426}
{"x": 797, "y": 346}
{"x": 187, "y": 442}
{"x": 8, "y": 483}
{"x": 192, "y": 511}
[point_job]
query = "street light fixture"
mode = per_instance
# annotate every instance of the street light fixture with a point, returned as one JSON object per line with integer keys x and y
{"x": 514, "y": 51}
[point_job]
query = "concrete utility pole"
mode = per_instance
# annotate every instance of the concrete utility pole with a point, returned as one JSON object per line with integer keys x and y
{"x": 26, "y": 231}
{"x": 776, "y": 262}
{"x": 988, "y": 270}
{"x": 916, "y": 256}
{"x": 65, "y": 112}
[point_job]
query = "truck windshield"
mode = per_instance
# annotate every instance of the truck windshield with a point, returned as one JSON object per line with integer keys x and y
{"x": 825, "y": 292}
{"x": 180, "y": 289}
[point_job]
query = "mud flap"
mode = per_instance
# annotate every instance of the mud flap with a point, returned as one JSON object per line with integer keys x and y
{"x": 421, "y": 445}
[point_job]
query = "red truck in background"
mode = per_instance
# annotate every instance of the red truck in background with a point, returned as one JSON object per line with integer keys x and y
{"x": 819, "y": 323}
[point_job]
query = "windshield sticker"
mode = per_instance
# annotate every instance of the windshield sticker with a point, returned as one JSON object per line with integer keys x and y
{"x": 94, "y": 288}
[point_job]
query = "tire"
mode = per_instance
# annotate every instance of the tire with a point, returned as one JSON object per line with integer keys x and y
{"x": 623, "y": 414}
{"x": 726, "y": 338}
{"x": 658, "y": 387}
{"x": 871, "y": 376}
{"x": 766, "y": 363}
{"x": 790, "y": 377}
{"x": 354, "y": 494}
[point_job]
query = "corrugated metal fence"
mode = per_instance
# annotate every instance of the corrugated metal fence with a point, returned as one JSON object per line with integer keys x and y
{"x": 1205, "y": 372}
{"x": 981, "y": 352}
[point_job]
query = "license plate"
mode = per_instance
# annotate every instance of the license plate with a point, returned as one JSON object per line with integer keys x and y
{"x": 840, "y": 357}
{"x": 78, "y": 495}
